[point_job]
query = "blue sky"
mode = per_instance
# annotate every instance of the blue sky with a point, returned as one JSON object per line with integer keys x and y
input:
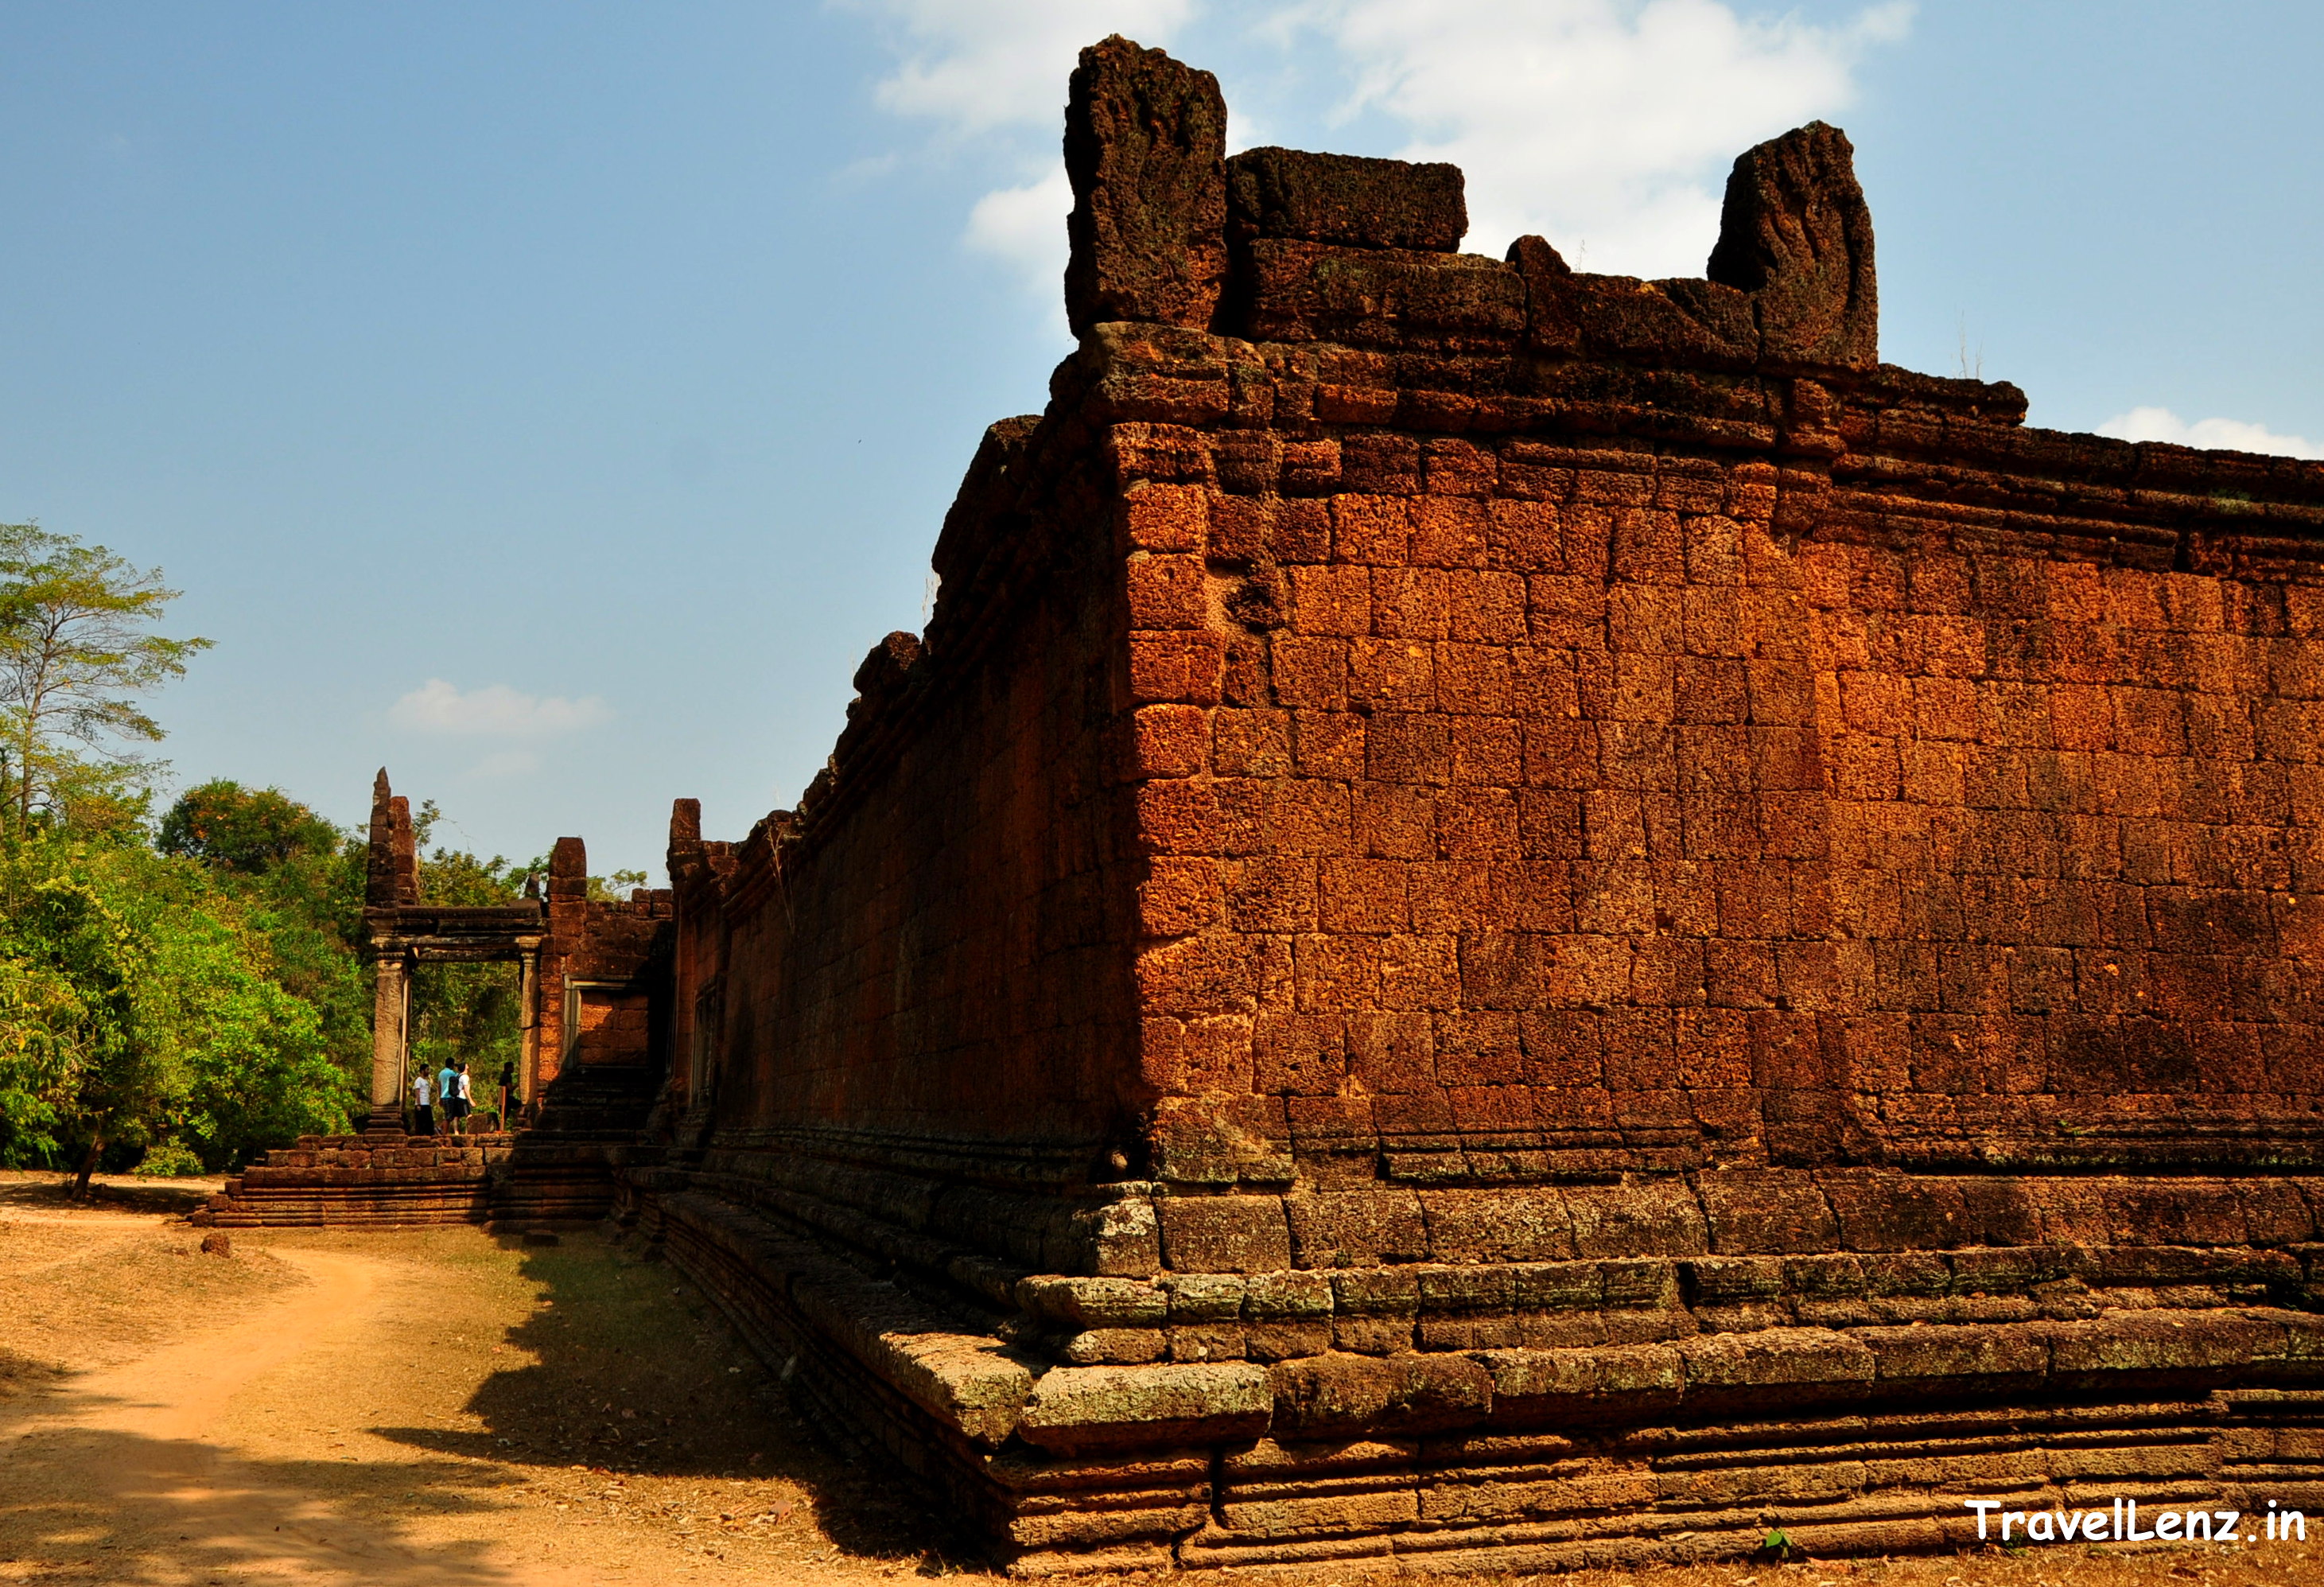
{"x": 554, "y": 401}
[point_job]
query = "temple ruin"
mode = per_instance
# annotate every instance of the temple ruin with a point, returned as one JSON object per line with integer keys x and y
{"x": 1510, "y": 918}
{"x": 593, "y": 975}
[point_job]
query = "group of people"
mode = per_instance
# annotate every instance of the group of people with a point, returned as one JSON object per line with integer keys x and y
{"x": 442, "y": 1103}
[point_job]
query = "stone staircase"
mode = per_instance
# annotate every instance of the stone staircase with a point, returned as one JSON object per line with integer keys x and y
{"x": 559, "y": 1170}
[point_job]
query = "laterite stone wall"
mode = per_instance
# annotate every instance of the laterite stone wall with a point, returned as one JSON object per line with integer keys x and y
{"x": 1514, "y": 918}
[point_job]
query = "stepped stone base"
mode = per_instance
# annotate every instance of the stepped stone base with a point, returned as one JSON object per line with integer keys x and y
{"x": 559, "y": 1171}
{"x": 1861, "y": 1438}
{"x": 331, "y": 1180}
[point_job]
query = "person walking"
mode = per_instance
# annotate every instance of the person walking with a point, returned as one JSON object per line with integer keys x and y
{"x": 508, "y": 1084}
{"x": 467, "y": 1100}
{"x": 423, "y": 1117}
{"x": 447, "y": 1092}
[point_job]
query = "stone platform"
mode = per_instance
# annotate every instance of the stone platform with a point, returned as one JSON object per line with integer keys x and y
{"x": 559, "y": 1171}
{"x": 1603, "y": 1410}
{"x": 353, "y": 1180}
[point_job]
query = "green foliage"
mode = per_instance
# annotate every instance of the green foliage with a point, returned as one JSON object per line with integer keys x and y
{"x": 228, "y": 827}
{"x": 615, "y": 889}
{"x": 300, "y": 884}
{"x": 136, "y": 1005}
{"x": 169, "y": 1160}
{"x": 76, "y": 650}
{"x": 466, "y": 1012}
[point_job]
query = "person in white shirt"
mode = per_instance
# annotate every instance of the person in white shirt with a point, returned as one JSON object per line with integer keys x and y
{"x": 423, "y": 1118}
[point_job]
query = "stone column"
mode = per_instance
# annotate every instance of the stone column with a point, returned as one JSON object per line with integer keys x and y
{"x": 528, "y": 1025}
{"x": 390, "y": 1011}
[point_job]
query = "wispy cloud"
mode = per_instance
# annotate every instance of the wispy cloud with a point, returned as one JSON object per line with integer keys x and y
{"x": 2160, "y": 424}
{"x": 1025, "y": 230}
{"x": 494, "y": 711}
{"x": 1606, "y": 125}
{"x": 975, "y": 65}
{"x": 972, "y": 70}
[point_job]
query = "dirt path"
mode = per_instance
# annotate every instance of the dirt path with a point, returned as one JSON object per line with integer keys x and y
{"x": 417, "y": 1408}
{"x": 176, "y": 1396}
{"x": 146, "y": 1440}
{"x": 436, "y": 1409}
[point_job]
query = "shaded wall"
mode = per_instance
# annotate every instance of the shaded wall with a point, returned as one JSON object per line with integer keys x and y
{"x": 933, "y": 949}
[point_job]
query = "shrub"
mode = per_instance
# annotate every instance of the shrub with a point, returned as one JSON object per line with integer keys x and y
{"x": 169, "y": 1160}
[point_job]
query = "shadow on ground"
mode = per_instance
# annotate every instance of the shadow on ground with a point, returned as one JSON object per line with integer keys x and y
{"x": 109, "y": 1506}
{"x": 114, "y": 1191}
{"x": 637, "y": 1376}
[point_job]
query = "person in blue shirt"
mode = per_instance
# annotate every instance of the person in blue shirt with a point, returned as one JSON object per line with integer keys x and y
{"x": 447, "y": 1092}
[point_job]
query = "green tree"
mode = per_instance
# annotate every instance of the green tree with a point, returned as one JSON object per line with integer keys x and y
{"x": 77, "y": 648}
{"x": 68, "y": 960}
{"x": 466, "y": 1012}
{"x": 299, "y": 880}
{"x": 252, "y": 831}
{"x": 137, "y": 1006}
{"x": 615, "y": 889}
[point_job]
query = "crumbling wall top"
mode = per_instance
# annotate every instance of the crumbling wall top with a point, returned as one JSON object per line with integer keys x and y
{"x": 1167, "y": 231}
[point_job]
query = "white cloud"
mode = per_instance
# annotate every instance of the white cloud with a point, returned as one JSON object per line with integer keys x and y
{"x": 1025, "y": 229}
{"x": 496, "y": 711}
{"x": 975, "y": 65}
{"x": 1606, "y": 125}
{"x": 2160, "y": 424}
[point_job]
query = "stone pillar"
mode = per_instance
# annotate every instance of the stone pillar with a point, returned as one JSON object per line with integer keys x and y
{"x": 389, "y": 1018}
{"x": 528, "y": 1025}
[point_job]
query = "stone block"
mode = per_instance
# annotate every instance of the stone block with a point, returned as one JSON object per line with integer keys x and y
{"x": 1145, "y": 153}
{"x": 1337, "y": 1394}
{"x": 1225, "y": 1234}
{"x": 1341, "y": 198}
{"x": 1079, "y": 1408}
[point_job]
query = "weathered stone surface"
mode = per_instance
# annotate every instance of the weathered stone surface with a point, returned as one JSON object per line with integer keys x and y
{"x": 1795, "y": 233}
{"x": 1146, "y": 152}
{"x": 1345, "y": 199}
{"x": 1301, "y": 291}
{"x": 972, "y": 1384}
{"x": 1093, "y": 1407}
{"x": 1337, "y": 1394}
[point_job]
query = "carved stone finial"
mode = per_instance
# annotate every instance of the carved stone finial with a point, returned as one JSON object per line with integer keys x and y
{"x": 402, "y": 853}
{"x": 1796, "y": 233}
{"x": 380, "y": 889}
{"x": 685, "y": 824}
{"x": 1145, "y": 144}
{"x": 568, "y": 870}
